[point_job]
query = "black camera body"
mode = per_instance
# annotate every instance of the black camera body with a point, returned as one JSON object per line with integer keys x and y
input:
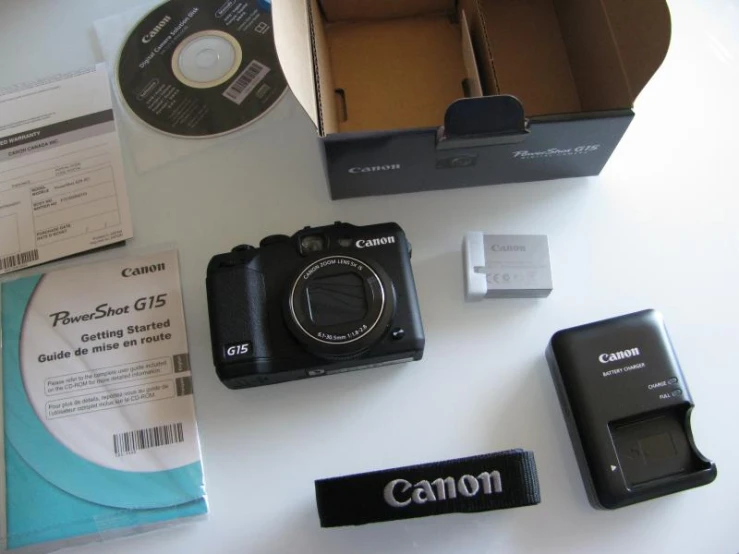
{"x": 326, "y": 300}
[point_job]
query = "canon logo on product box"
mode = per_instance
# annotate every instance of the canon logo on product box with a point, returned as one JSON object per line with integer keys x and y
{"x": 374, "y": 168}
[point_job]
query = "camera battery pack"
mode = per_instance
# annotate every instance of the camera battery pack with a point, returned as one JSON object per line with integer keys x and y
{"x": 506, "y": 266}
{"x": 627, "y": 408}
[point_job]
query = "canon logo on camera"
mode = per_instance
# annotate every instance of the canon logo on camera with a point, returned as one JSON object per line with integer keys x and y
{"x": 398, "y": 493}
{"x": 147, "y": 38}
{"x": 367, "y": 243}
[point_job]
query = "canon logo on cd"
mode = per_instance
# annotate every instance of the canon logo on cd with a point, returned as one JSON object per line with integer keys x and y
{"x": 362, "y": 243}
{"x": 147, "y": 38}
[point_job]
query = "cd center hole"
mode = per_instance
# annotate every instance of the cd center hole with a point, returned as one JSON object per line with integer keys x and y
{"x": 207, "y": 58}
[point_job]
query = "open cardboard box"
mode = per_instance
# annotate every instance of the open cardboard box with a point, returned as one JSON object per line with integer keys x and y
{"x": 412, "y": 95}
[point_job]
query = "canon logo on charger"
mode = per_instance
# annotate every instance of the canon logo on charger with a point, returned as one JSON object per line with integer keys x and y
{"x": 147, "y": 38}
{"x": 374, "y": 168}
{"x": 616, "y": 356}
{"x": 367, "y": 243}
{"x": 399, "y": 493}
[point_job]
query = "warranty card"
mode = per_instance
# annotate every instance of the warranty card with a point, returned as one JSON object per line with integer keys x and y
{"x": 100, "y": 430}
{"x": 61, "y": 175}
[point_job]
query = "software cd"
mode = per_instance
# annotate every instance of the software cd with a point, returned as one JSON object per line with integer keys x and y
{"x": 200, "y": 68}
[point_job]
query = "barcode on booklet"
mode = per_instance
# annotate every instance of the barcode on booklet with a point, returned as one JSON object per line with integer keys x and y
{"x": 14, "y": 260}
{"x": 141, "y": 439}
{"x": 246, "y": 82}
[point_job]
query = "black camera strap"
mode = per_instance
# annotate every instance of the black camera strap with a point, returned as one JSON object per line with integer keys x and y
{"x": 475, "y": 484}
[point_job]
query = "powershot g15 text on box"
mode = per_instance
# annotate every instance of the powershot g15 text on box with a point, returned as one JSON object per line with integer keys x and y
{"x": 326, "y": 300}
{"x": 627, "y": 408}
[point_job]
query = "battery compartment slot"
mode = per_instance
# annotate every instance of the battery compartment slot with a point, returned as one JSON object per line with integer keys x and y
{"x": 656, "y": 445}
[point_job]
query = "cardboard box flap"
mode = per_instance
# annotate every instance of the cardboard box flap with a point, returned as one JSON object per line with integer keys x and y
{"x": 292, "y": 31}
{"x": 474, "y": 83}
{"x": 597, "y": 71}
{"x": 356, "y": 10}
{"x": 410, "y": 70}
{"x": 642, "y": 30}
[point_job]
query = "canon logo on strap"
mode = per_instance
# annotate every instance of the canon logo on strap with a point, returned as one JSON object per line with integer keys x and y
{"x": 399, "y": 493}
{"x": 147, "y": 38}
{"x": 367, "y": 243}
{"x": 620, "y": 355}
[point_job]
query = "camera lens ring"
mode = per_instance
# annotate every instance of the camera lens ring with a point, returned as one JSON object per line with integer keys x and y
{"x": 344, "y": 340}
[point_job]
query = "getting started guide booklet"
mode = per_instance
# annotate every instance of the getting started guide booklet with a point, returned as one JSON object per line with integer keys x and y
{"x": 100, "y": 431}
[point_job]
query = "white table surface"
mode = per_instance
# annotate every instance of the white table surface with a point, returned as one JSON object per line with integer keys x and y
{"x": 657, "y": 229}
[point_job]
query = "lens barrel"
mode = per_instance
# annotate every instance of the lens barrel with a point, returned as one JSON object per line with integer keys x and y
{"x": 339, "y": 306}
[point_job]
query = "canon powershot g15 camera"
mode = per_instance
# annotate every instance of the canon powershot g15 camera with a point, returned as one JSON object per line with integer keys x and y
{"x": 326, "y": 300}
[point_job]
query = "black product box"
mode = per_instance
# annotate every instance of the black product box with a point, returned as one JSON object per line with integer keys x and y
{"x": 414, "y": 95}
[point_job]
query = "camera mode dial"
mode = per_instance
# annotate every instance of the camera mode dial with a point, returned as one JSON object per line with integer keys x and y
{"x": 273, "y": 239}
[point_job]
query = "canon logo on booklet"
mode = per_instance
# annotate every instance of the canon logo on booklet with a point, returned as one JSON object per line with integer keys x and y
{"x": 374, "y": 168}
{"x": 399, "y": 493}
{"x": 366, "y": 243}
{"x": 134, "y": 271}
{"x": 147, "y": 38}
{"x": 620, "y": 355}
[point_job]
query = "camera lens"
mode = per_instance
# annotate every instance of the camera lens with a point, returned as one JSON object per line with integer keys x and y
{"x": 336, "y": 299}
{"x": 312, "y": 244}
{"x": 340, "y": 306}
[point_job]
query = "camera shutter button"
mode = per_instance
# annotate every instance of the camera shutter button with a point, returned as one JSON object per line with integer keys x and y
{"x": 273, "y": 239}
{"x": 242, "y": 248}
